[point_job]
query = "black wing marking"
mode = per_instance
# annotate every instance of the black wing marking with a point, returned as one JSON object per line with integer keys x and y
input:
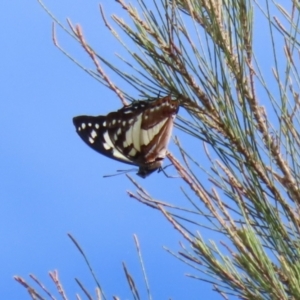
{"x": 93, "y": 131}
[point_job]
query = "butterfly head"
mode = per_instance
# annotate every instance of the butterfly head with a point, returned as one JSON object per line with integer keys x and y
{"x": 145, "y": 171}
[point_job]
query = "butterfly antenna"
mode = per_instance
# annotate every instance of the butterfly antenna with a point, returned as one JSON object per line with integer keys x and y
{"x": 162, "y": 169}
{"x": 120, "y": 172}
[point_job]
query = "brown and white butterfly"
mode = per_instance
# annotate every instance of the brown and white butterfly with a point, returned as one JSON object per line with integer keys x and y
{"x": 137, "y": 134}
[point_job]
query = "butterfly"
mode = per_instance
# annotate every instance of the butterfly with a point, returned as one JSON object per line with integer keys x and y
{"x": 137, "y": 134}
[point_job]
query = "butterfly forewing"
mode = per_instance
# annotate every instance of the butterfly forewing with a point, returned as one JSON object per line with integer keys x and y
{"x": 125, "y": 135}
{"x": 137, "y": 134}
{"x": 94, "y": 132}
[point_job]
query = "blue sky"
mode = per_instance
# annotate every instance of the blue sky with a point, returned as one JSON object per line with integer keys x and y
{"x": 52, "y": 183}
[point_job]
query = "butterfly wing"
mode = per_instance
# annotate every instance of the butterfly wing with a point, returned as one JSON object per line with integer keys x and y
{"x": 124, "y": 128}
{"x": 95, "y": 133}
{"x": 142, "y": 130}
{"x": 156, "y": 128}
{"x": 137, "y": 134}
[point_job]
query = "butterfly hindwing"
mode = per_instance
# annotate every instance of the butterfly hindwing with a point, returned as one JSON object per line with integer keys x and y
{"x": 157, "y": 124}
{"x": 136, "y": 134}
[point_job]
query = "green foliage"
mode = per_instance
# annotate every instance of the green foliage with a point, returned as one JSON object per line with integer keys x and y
{"x": 241, "y": 97}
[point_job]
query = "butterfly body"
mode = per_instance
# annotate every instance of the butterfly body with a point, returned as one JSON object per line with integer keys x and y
{"x": 137, "y": 134}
